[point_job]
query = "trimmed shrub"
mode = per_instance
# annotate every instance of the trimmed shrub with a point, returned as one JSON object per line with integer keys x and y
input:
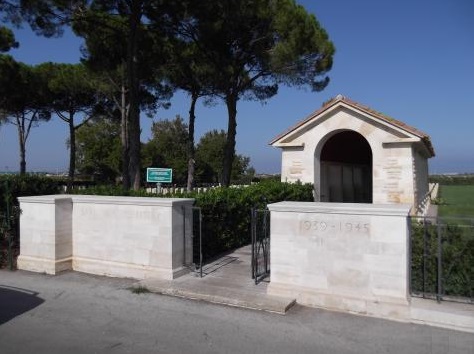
{"x": 457, "y": 258}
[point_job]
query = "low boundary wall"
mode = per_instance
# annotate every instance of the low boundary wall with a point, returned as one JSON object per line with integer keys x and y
{"x": 349, "y": 257}
{"x": 117, "y": 236}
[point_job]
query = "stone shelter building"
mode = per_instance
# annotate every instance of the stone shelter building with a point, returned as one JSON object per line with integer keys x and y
{"x": 354, "y": 154}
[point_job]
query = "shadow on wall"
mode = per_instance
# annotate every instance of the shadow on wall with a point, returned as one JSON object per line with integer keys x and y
{"x": 16, "y": 301}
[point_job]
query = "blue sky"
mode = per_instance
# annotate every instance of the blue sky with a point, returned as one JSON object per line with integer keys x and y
{"x": 410, "y": 59}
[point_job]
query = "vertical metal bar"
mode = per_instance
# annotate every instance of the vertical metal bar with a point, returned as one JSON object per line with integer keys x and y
{"x": 259, "y": 246}
{"x": 8, "y": 227}
{"x": 424, "y": 255}
{"x": 267, "y": 236}
{"x": 252, "y": 236}
{"x": 184, "y": 235}
{"x": 269, "y": 221}
{"x": 200, "y": 243}
{"x": 263, "y": 240}
{"x": 440, "y": 265}
{"x": 410, "y": 255}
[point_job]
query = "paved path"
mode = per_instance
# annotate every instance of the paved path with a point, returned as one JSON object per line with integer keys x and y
{"x": 78, "y": 313}
{"x": 228, "y": 281}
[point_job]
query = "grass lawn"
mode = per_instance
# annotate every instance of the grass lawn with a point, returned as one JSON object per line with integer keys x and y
{"x": 459, "y": 201}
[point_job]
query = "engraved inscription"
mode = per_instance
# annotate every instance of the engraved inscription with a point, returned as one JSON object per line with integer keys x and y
{"x": 393, "y": 176}
{"x": 335, "y": 235}
{"x": 338, "y": 227}
{"x": 296, "y": 169}
{"x": 144, "y": 214}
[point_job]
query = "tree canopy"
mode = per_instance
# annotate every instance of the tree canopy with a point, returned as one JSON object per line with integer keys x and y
{"x": 7, "y": 39}
{"x": 230, "y": 49}
{"x": 256, "y": 45}
{"x": 209, "y": 157}
{"x": 23, "y": 100}
{"x": 73, "y": 96}
{"x": 121, "y": 38}
{"x": 98, "y": 149}
{"x": 167, "y": 148}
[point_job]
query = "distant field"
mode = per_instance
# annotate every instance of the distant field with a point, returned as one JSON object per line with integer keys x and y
{"x": 459, "y": 200}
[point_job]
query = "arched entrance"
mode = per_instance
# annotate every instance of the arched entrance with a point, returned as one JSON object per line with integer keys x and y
{"x": 346, "y": 169}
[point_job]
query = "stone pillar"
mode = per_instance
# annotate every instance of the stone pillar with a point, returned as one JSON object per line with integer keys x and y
{"x": 341, "y": 256}
{"x": 45, "y": 233}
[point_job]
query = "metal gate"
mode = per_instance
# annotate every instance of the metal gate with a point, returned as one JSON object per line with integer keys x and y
{"x": 260, "y": 232}
{"x": 197, "y": 241}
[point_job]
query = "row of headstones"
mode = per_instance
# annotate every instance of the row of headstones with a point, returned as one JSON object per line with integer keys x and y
{"x": 180, "y": 190}
{"x": 171, "y": 190}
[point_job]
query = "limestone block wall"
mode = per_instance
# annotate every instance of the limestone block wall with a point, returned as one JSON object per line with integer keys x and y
{"x": 45, "y": 233}
{"x": 393, "y": 176}
{"x": 350, "y": 257}
{"x": 115, "y": 236}
{"x": 295, "y": 167}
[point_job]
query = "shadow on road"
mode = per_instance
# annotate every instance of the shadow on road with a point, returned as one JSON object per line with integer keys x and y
{"x": 16, "y": 301}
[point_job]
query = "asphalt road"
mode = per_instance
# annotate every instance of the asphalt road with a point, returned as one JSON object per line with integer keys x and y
{"x": 78, "y": 313}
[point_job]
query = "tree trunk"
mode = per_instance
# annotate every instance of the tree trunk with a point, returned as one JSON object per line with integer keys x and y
{"x": 134, "y": 145}
{"x": 72, "y": 153}
{"x": 22, "y": 158}
{"x": 20, "y": 123}
{"x": 229, "y": 152}
{"x": 133, "y": 87}
{"x": 192, "y": 119}
{"x": 124, "y": 138}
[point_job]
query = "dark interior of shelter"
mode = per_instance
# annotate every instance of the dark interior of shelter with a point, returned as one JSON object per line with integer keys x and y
{"x": 346, "y": 169}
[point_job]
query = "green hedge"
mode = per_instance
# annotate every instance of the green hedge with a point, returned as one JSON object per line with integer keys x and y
{"x": 457, "y": 258}
{"x": 226, "y": 211}
{"x": 13, "y": 186}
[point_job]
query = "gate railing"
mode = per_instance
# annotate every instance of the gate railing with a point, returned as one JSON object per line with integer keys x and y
{"x": 260, "y": 232}
{"x": 197, "y": 241}
{"x": 442, "y": 258}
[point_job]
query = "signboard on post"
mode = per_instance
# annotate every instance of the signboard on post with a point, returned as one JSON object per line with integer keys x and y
{"x": 159, "y": 175}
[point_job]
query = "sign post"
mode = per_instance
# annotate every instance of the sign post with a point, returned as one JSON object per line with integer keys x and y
{"x": 159, "y": 175}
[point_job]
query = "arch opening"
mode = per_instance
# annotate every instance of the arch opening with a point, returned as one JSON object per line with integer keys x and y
{"x": 346, "y": 169}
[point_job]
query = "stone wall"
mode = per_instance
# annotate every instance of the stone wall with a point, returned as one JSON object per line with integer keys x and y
{"x": 115, "y": 236}
{"x": 350, "y": 257}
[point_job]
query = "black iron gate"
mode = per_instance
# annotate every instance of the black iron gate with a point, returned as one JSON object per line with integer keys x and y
{"x": 197, "y": 241}
{"x": 260, "y": 231}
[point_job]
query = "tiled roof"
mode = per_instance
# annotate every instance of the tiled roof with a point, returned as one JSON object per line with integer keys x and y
{"x": 339, "y": 98}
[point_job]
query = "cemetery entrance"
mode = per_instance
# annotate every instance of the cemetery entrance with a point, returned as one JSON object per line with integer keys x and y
{"x": 210, "y": 254}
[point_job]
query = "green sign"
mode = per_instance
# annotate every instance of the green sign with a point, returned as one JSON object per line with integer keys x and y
{"x": 159, "y": 175}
